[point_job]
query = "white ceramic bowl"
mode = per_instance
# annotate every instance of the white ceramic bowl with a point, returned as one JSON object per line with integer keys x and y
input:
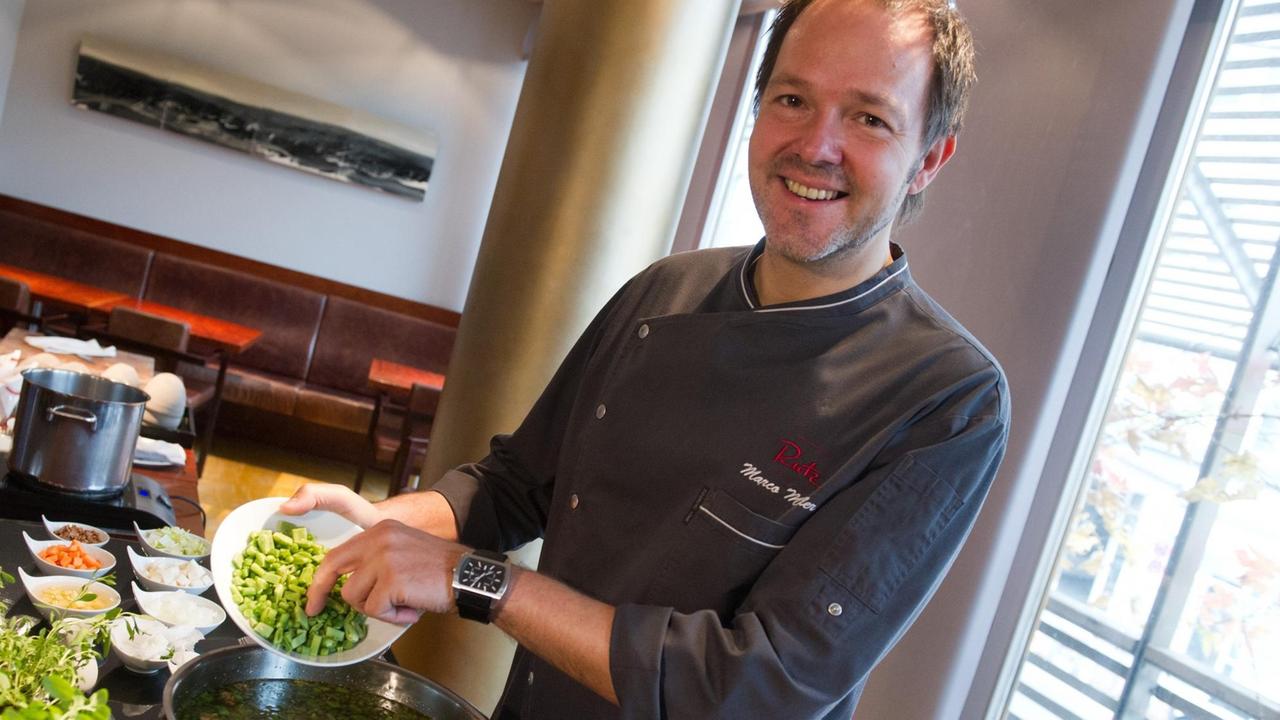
{"x": 153, "y": 551}
{"x": 151, "y": 603}
{"x": 37, "y": 546}
{"x": 87, "y": 676}
{"x": 72, "y": 630}
{"x": 53, "y": 526}
{"x": 329, "y": 529}
{"x": 120, "y": 632}
{"x": 142, "y": 562}
{"x": 172, "y": 641}
{"x": 34, "y": 585}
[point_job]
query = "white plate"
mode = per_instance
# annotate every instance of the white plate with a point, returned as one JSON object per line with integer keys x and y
{"x": 329, "y": 529}
{"x": 157, "y": 463}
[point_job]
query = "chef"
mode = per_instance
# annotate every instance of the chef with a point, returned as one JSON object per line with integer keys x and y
{"x": 756, "y": 464}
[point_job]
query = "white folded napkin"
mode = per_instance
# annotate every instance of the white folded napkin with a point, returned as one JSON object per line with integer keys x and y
{"x": 150, "y": 450}
{"x": 71, "y": 346}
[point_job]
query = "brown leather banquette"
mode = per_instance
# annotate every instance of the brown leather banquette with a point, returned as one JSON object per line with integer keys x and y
{"x": 303, "y": 384}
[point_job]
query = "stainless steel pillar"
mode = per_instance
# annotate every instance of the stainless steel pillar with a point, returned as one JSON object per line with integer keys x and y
{"x": 591, "y": 186}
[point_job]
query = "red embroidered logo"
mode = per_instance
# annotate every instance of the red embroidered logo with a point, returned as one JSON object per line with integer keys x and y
{"x": 790, "y": 455}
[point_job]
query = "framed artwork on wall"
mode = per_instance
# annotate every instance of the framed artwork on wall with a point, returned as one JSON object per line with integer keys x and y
{"x": 274, "y": 124}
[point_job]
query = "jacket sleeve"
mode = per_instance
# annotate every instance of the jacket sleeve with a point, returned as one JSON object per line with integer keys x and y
{"x": 502, "y": 501}
{"x": 837, "y": 597}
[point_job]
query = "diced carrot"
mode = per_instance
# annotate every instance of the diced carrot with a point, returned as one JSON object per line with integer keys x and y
{"x": 72, "y": 556}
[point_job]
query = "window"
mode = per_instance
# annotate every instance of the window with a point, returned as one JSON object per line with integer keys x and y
{"x": 1164, "y": 597}
{"x": 719, "y": 210}
{"x": 733, "y": 217}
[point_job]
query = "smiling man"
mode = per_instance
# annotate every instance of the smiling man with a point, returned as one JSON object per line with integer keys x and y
{"x": 755, "y": 466}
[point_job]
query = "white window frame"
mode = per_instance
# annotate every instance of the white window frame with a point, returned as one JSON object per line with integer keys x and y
{"x": 725, "y": 123}
{"x": 1099, "y": 365}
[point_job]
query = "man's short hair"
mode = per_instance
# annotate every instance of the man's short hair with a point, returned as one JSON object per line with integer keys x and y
{"x": 954, "y": 72}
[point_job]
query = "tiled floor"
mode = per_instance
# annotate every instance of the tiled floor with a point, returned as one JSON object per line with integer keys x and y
{"x": 241, "y": 470}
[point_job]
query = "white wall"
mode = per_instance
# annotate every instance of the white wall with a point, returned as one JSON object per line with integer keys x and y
{"x": 1015, "y": 241}
{"x": 450, "y": 66}
{"x": 10, "y": 17}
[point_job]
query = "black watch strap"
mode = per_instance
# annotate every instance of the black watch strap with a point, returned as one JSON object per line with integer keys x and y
{"x": 474, "y": 607}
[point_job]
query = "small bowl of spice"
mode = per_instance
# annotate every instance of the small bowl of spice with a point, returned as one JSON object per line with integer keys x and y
{"x": 82, "y": 533}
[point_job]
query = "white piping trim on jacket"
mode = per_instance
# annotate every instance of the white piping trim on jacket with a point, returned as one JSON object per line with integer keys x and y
{"x": 736, "y": 531}
{"x": 742, "y": 279}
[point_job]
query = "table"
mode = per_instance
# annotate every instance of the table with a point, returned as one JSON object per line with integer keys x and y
{"x": 15, "y": 339}
{"x": 60, "y": 290}
{"x": 225, "y": 335}
{"x": 390, "y": 378}
{"x": 130, "y": 695}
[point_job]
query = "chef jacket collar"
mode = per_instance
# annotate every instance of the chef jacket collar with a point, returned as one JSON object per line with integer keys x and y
{"x": 865, "y": 294}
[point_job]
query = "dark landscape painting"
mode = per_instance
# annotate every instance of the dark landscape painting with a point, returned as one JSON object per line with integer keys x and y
{"x": 138, "y": 87}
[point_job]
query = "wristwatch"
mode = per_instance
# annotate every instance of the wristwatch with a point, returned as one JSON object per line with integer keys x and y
{"x": 479, "y": 582}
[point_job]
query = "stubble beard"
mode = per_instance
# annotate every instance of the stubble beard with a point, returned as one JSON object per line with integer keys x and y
{"x": 847, "y": 240}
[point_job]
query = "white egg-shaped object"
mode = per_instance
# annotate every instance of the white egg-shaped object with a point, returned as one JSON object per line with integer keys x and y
{"x": 123, "y": 373}
{"x": 168, "y": 398}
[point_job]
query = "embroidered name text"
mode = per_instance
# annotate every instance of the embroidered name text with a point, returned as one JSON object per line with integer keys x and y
{"x": 752, "y": 473}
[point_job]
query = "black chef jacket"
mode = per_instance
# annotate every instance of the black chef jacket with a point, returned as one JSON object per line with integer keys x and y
{"x": 769, "y": 495}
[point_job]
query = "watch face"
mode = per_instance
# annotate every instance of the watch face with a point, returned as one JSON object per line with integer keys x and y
{"x": 480, "y": 575}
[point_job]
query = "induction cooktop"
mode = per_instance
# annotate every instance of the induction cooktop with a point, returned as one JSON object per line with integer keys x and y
{"x": 142, "y": 500}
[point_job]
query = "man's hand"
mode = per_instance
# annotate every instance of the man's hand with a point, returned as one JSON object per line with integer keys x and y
{"x": 396, "y": 573}
{"x": 334, "y": 498}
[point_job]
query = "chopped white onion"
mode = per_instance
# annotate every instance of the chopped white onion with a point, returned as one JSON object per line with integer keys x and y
{"x": 179, "y": 573}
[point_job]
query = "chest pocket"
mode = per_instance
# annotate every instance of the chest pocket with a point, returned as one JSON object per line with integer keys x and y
{"x": 717, "y": 554}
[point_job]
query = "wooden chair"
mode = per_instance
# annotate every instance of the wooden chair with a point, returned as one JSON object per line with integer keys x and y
{"x": 415, "y": 433}
{"x": 140, "y": 327}
{"x": 15, "y": 305}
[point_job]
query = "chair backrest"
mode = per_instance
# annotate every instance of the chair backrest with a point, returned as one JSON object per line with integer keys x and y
{"x": 150, "y": 329}
{"x": 420, "y": 411}
{"x": 14, "y": 295}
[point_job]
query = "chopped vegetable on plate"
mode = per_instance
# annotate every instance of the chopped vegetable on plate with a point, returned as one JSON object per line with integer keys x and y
{"x": 269, "y": 584}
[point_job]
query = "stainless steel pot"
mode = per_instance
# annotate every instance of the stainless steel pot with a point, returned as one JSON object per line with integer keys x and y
{"x": 233, "y": 664}
{"x": 76, "y": 432}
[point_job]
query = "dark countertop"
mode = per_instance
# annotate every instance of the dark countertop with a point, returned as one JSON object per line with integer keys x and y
{"x": 131, "y": 695}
